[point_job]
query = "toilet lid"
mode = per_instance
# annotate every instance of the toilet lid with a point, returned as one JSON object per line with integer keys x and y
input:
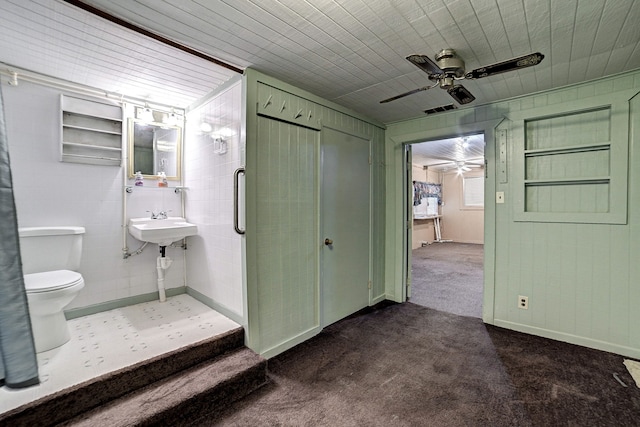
{"x": 51, "y": 280}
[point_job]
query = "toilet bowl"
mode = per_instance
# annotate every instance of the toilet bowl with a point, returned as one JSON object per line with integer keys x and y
{"x": 49, "y": 257}
{"x": 47, "y": 294}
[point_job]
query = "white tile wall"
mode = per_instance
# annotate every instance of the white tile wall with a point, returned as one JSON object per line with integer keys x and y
{"x": 49, "y": 192}
{"x": 214, "y": 264}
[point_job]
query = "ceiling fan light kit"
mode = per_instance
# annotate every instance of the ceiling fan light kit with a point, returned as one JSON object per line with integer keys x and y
{"x": 449, "y": 67}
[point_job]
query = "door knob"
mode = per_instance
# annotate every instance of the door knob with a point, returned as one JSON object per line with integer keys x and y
{"x": 328, "y": 242}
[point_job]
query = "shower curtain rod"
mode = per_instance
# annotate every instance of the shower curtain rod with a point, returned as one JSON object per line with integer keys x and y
{"x": 18, "y": 74}
{"x": 109, "y": 17}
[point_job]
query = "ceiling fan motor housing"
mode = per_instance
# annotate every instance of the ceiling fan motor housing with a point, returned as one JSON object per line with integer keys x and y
{"x": 446, "y": 82}
{"x": 450, "y": 63}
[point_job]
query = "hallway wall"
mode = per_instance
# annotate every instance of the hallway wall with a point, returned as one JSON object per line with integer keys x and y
{"x": 460, "y": 223}
{"x": 572, "y": 252}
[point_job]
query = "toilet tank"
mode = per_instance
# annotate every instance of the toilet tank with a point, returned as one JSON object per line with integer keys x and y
{"x": 50, "y": 248}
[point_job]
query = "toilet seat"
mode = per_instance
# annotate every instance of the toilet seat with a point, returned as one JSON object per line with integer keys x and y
{"x": 51, "y": 280}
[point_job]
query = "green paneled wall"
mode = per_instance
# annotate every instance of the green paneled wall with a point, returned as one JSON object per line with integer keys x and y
{"x": 287, "y": 234}
{"x": 579, "y": 269}
{"x": 283, "y": 134}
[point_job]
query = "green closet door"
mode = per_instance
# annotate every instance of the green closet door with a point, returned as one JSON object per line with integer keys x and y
{"x": 345, "y": 224}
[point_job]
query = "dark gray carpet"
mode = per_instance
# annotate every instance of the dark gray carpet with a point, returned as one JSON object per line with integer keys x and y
{"x": 565, "y": 384}
{"x": 448, "y": 277}
{"x": 395, "y": 366}
{"x": 406, "y": 365}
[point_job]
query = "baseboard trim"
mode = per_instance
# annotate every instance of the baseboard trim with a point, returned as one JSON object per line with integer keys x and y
{"x": 298, "y": 339}
{"x": 119, "y": 303}
{"x": 238, "y": 318}
{"x": 378, "y": 299}
{"x": 570, "y": 338}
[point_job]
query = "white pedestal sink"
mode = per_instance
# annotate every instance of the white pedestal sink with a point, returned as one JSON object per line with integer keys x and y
{"x": 161, "y": 231}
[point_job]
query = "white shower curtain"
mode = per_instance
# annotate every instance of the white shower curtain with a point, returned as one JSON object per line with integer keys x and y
{"x": 18, "y": 364}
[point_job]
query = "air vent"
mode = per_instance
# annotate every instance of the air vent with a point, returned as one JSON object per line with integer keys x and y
{"x": 440, "y": 109}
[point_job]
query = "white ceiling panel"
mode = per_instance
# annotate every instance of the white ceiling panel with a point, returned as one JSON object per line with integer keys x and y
{"x": 349, "y": 51}
{"x": 62, "y": 41}
{"x": 448, "y": 153}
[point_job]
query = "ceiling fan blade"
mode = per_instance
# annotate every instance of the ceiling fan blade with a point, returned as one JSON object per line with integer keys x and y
{"x": 448, "y": 163}
{"x": 461, "y": 94}
{"x": 402, "y": 95}
{"x": 477, "y": 161}
{"x": 425, "y": 63}
{"x": 508, "y": 65}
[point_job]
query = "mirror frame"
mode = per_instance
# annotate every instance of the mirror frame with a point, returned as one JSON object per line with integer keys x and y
{"x": 131, "y": 145}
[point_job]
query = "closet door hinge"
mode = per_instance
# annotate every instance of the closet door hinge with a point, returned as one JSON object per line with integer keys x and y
{"x": 369, "y": 284}
{"x": 370, "y": 160}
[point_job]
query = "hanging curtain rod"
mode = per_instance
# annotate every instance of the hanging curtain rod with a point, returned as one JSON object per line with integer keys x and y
{"x": 16, "y": 74}
{"x": 149, "y": 34}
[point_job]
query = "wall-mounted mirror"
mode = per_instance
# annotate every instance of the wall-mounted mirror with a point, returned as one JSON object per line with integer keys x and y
{"x": 153, "y": 148}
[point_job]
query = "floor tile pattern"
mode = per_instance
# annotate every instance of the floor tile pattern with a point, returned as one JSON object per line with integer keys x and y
{"x": 114, "y": 339}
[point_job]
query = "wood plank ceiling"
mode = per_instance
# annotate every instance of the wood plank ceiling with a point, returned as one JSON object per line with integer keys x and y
{"x": 349, "y": 51}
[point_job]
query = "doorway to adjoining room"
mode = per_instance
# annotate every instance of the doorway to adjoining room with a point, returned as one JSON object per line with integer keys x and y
{"x": 447, "y": 233}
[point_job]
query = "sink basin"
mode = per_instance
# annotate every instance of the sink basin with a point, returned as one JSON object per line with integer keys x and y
{"x": 161, "y": 231}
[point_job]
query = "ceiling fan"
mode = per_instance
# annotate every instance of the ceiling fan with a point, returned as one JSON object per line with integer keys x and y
{"x": 449, "y": 67}
{"x": 460, "y": 165}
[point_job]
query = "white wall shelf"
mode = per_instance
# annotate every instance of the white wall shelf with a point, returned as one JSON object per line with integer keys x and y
{"x": 91, "y": 132}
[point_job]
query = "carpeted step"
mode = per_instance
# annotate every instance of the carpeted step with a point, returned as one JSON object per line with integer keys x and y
{"x": 208, "y": 387}
{"x": 83, "y": 397}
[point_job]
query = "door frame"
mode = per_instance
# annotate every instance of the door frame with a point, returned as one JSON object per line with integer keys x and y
{"x": 408, "y": 207}
{"x": 320, "y": 166}
{"x": 397, "y": 144}
{"x": 407, "y": 218}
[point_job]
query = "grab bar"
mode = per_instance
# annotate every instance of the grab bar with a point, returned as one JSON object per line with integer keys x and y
{"x": 236, "y": 201}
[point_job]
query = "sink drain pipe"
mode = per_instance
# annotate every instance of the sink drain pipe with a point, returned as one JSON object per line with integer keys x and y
{"x": 163, "y": 263}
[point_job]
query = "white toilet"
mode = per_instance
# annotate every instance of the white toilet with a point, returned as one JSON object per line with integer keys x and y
{"x": 50, "y": 258}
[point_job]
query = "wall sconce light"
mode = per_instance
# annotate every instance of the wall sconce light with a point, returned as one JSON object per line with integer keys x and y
{"x": 219, "y": 145}
{"x": 170, "y": 119}
{"x": 145, "y": 114}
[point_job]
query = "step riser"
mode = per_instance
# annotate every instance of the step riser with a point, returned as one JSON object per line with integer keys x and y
{"x": 182, "y": 398}
{"x": 218, "y": 397}
{"x": 69, "y": 403}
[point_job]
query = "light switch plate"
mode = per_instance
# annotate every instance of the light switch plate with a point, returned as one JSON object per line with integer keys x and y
{"x": 499, "y": 196}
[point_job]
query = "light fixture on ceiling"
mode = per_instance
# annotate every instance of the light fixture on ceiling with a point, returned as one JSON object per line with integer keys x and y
{"x": 462, "y": 167}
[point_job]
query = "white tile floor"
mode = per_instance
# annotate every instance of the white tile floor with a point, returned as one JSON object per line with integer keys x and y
{"x": 111, "y": 340}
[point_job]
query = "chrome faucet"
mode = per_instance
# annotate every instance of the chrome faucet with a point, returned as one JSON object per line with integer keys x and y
{"x": 159, "y": 215}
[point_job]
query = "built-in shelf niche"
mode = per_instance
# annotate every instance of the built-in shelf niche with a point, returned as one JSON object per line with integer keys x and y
{"x": 567, "y": 162}
{"x": 571, "y": 160}
{"x": 91, "y": 132}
